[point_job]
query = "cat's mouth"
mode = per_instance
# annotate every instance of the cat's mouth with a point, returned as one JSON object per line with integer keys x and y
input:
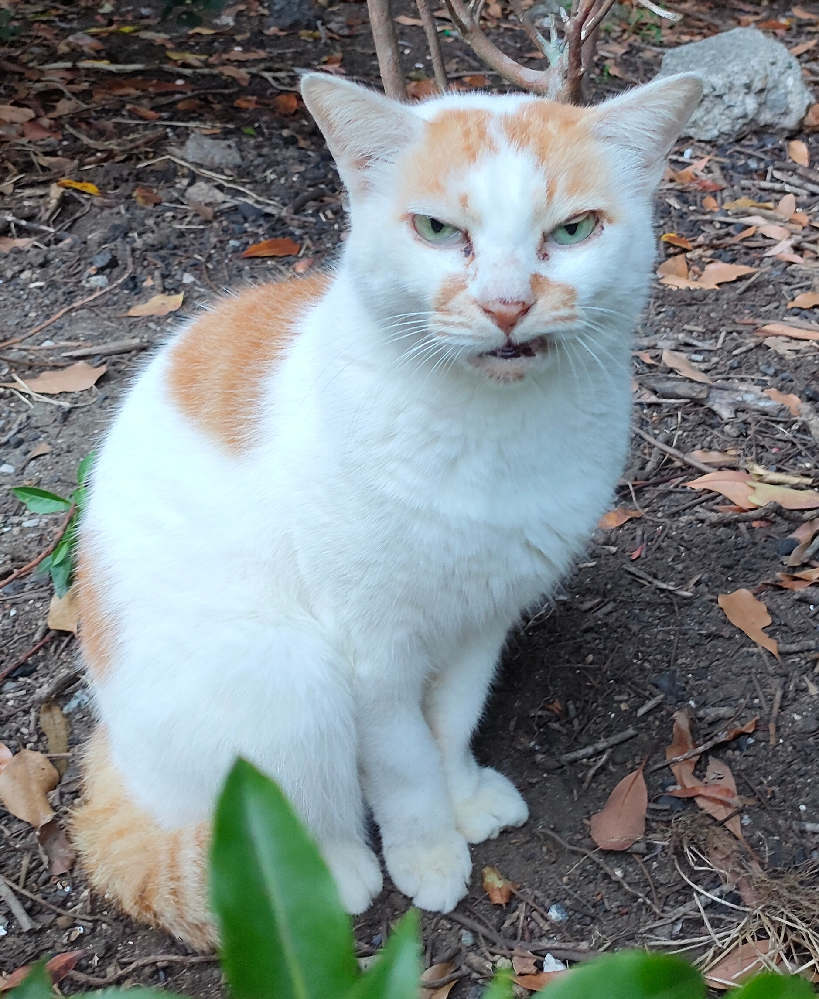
{"x": 529, "y": 348}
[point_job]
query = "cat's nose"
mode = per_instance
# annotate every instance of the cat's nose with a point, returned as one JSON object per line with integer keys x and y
{"x": 506, "y": 314}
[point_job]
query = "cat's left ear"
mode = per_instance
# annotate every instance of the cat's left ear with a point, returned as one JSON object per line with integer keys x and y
{"x": 645, "y": 121}
{"x": 363, "y": 128}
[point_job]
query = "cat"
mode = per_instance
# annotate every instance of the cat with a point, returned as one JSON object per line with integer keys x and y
{"x": 324, "y": 503}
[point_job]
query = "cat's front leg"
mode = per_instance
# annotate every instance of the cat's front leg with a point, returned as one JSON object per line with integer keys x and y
{"x": 426, "y": 856}
{"x": 483, "y": 799}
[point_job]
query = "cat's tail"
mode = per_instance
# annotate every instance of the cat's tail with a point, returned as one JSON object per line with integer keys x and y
{"x": 155, "y": 875}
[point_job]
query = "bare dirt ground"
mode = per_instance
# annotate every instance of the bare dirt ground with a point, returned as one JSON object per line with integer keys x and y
{"x": 638, "y": 622}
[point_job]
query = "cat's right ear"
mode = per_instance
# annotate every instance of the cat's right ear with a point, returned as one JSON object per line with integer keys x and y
{"x": 363, "y": 129}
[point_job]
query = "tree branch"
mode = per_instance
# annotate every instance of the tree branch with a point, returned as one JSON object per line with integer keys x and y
{"x": 386, "y": 48}
{"x": 431, "y": 31}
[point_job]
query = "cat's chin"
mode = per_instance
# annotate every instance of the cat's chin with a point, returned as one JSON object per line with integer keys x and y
{"x": 512, "y": 362}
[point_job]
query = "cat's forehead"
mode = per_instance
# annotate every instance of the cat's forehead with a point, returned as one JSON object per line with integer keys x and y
{"x": 505, "y": 140}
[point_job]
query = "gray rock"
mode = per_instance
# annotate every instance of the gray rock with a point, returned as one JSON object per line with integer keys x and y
{"x": 217, "y": 154}
{"x": 750, "y": 82}
{"x": 806, "y": 725}
{"x": 289, "y": 14}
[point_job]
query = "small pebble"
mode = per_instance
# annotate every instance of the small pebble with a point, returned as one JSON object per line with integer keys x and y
{"x": 98, "y": 281}
{"x": 7, "y": 469}
{"x": 806, "y": 726}
{"x": 467, "y": 938}
{"x": 552, "y": 964}
{"x": 188, "y": 278}
{"x": 557, "y": 913}
{"x": 103, "y": 259}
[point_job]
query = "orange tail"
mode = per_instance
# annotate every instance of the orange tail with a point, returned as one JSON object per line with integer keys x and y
{"x": 155, "y": 875}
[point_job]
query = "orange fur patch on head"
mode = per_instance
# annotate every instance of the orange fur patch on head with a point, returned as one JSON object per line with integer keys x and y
{"x": 97, "y": 629}
{"x": 556, "y": 295}
{"x": 453, "y": 142}
{"x": 218, "y": 366}
{"x": 450, "y": 288}
{"x": 156, "y": 875}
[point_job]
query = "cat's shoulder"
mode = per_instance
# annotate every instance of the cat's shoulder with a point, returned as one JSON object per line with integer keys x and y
{"x": 215, "y": 369}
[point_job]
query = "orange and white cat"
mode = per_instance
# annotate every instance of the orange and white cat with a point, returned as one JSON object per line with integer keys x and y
{"x": 325, "y": 502}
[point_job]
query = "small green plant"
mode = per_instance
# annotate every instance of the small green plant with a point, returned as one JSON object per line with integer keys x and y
{"x": 7, "y": 30}
{"x": 285, "y": 935}
{"x": 60, "y": 563}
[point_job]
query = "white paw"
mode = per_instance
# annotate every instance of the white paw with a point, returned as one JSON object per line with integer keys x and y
{"x": 496, "y": 804}
{"x": 433, "y": 872}
{"x": 356, "y": 871}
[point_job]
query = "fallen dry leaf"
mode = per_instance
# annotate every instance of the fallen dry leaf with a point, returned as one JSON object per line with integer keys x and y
{"x": 524, "y": 963}
{"x": 791, "y": 401}
{"x": 58, "y": 967}
{"x": 804, "y": 534}
{"x": 432, "y": 975}
{"x": 79, "y": 185}
{"x": 798, "y": 151}
{"x": 679, "y": 362}
{"x": 497, "y": 887}
{"x": 797, "y": 580}
{"x": 13, "y": 115}
{"x": 420, "y": 89}
{"x": 739, "y": 964}
{"x": 623, "y": 818}
{"x": 713, "y": 457}
{"x": 286, "y": 103}
{"x": 241, "y": 76}
{"x": 807, "y": 300}
{"x": 675, "y": 240}
{"x": 710, "y": 204}
{"x": 146, "y": 197}
{"x": 24, "y": 782}
{"x": 750, "y": 615}
{"x": 63, "y": 612}
{"x": 54, "y": 844}
{"x": 618, "y": 517}
{"x": 76, "y": 378}
{"x": 159, "y": 305}
{"x": 787, "y": 206}
{"x": 719, "y": 273}
{"x": 812, "y": 117}
{"x": 782, "y": 329}
{"x": 6, "y": 755}
{"x": 535, "y": 982}
{"x": 762, "y": 474}
{"x": 746, "y": 492}
{"x": 273, "y": 248}
{"x": 20, "y": 243}
{"x": 55, "y": 728}
{"x": 674, "y": 267}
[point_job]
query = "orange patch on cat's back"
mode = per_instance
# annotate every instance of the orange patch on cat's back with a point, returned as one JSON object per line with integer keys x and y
{"x": 217, "y": 367}
{"x": 97, "y": 629}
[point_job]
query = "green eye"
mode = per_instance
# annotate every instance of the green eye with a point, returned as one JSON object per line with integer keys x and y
{"x": 435, "y": 231}
{"x": 575, "y": 230}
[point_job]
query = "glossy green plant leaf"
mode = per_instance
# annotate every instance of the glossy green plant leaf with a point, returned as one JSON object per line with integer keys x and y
{"x": 396, "y": 971}
{"x": 84, "y": 468}
{"x": 40, "y": 500}
{"x": 284, "y": 933}
{"x": 775, "y": 987}
{"x": 630, "y": 975}
{"x": 36, "y": 985}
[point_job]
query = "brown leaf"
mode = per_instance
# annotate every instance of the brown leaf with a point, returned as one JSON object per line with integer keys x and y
{"x": 807, "y": 300}
{"x": 710, "y": 204}
{"x": 713, "y": 457}
{"x": 273, "y": 248}
{"x": 812, "y": 117}
{"x": 746, "y": 492}
{"x": 76, "y": 378}
{"x": 680, "y": 363}
{"x": 24, "y": 783}
{"x": 408, "y": 21}
{"x": 803, "y": 47}
{"x": 798, "y": 152}
{"x": 524, "y": 963}
{"x": 719, "y": 273}
{"x": 159, "y": 305}
{"x": 146, "y": 197}
{"x": 782, "y": 329}
{"x": 675, "y": 240}
{"x": 682, "y": 742}
{"x": 739, "y": 964}
{"x": 14, "y": 115}
{"x": 418, "y": 90}
{"x": 750, "y": 615}
{"x": 55, "y": 728}
{"x": 240, "y": 75}
{"x": 79, "y": 185}
{"x": 623, "y": 818}
{"x": 432, "y": 975}
{"x": 804, "y": 534}
{"x": 6, "y": 755}
{"x": 673, "y": 267}
{"x": 535, "y": 982}
{"x": 618, "y": 517}
{"x": 787, "y": 206}
{"x": 286, "y": 103}
{"x": 63, "y": 613}
{"x": 54, "y": 844}
{"x": 798, "y": 580}
{"x": 497, "y": 887}
{"x": 791, "y": 401}
{"x": 58, "y": 967}
{"x": 7, "y": 243}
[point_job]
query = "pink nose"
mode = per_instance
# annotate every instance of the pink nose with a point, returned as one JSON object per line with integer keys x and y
{"x": 505, "y": 313}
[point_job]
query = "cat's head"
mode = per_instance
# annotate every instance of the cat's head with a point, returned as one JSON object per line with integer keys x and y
{"x": 495, "y": 230}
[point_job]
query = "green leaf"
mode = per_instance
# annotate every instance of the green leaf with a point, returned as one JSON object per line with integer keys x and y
{"x": 78, "y": 497}
{"x": 771, "y": 986}
{"x": 396, "y": 971}
{"x": 84, "y": 468}
{"x": 61, "y": 577}
{"x": 283, "y": 930}
{"x": 40, "y": 500}
{"x": 630, "y": 975}
{"x": 36, "y": 985}
{"x": 501, "y": 987}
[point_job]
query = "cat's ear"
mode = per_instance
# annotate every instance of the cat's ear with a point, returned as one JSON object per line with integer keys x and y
{"x": 363, "y": 129}
{"x": 645, "y": 121}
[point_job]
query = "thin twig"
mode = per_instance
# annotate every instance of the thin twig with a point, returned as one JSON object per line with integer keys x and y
{"x": 777, "y": 704}
{"x": 599, "y": 746}
{"x": 604, "y": 866}
{"x": 26, "y": 656}
{"x": 434, "y": 44}
{"x": 23, "y": 570}
{"x": 85, "y": 301}
{"x": 700, "y": 466}
{"x": 142, "y": 962}
{"x": 721, "y": 736}
{"x": 659, "y": 584}
{"x": 49, "y": 905}
{"x": 19, "y": 913}
{"x": 590, "y": 775}
{"x": 560, "y": 951}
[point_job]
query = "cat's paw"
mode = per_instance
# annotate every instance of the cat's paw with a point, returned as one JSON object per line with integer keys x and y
{"x": 356, "y": 871}
{"x": 496, "y": 804}
{"x": 433, "y": 872}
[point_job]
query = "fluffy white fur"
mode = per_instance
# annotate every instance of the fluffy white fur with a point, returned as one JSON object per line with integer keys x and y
{"x": 332, "y": 603}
